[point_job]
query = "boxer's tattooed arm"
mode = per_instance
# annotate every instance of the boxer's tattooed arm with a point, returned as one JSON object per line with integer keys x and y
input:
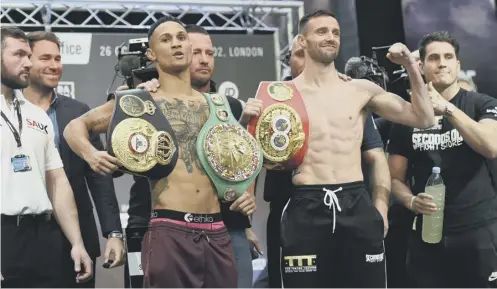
{"x": 187, "y": 119}
{"x": 97, "y": 120}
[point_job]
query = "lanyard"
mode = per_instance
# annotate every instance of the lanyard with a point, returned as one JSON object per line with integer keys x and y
{"x": 17, "y": 135}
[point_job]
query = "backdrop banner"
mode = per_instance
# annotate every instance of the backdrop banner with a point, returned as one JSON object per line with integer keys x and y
{"x": 472, "y": 23}
{"x": 242, "y": 61}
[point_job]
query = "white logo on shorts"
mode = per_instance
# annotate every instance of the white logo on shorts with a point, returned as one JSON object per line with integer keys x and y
{"x": 374, "y": 258}
{"x": 188, "y": 217}
{"x": 492, "y": 277}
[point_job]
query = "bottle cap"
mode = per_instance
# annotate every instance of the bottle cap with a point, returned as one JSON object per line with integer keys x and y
{"x": 435, "y": 170}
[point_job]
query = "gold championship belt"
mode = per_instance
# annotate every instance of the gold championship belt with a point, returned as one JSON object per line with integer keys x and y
{"x": 282, "y": 129}
{"x": 230, "y": 156}
{"x": 140, "y": 136}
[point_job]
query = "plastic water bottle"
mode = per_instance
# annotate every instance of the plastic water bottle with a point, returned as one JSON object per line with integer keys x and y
{"x": 433, "y": 225}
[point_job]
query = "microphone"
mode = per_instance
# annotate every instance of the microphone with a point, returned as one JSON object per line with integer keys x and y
{"x": 356, "y": 68}
{"x": 127, "y": 64}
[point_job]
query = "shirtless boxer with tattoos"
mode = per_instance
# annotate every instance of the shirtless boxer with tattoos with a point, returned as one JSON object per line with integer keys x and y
{"x": 173, "y": 255}
{"x": 332, "y": 233}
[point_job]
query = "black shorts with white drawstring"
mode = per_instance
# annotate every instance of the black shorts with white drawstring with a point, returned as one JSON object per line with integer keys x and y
{"x": 332, "y": 236}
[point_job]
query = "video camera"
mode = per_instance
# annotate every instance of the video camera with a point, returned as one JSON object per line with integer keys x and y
{"x": 134, "y": 64}
{"x": 367, "y": 68}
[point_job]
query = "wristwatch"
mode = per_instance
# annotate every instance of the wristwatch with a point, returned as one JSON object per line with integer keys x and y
{"x": 449, "y": 109}
{"x": 115, "y": 234}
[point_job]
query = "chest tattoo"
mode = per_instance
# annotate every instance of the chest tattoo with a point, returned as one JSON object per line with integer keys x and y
{"x": 187, "y": 119}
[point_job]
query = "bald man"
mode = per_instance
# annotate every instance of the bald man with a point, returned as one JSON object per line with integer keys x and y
{"x": 278, "y": 184}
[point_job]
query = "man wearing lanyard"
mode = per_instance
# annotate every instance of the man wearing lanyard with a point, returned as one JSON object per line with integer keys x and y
{"x": 34, "y": 184}
{"x": 44, "y": 77}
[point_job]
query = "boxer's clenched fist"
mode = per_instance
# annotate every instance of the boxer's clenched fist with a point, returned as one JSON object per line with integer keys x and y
{"x": 400, "y": 54}
{"x": 102, "y": 163}
{"x": 252, "y": 108}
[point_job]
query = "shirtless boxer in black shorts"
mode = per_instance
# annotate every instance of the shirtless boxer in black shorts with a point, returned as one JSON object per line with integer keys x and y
{"x": 332, "y": 233}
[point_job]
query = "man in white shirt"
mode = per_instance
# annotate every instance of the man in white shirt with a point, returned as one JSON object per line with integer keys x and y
{"x": 33, "y": 184}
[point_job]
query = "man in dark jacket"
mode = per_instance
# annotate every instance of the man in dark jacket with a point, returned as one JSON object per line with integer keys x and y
{"x": 44, "y": 78}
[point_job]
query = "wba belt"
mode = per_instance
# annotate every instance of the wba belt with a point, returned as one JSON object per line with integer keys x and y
{"x": 228, "y": 153}
{"x": 282, "y": 129}
{"x": 140, "y": 137}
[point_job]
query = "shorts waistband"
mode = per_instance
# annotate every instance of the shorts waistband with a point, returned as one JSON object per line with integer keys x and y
{"x": 187, "y": 217}
{"x": 317, "y": 190}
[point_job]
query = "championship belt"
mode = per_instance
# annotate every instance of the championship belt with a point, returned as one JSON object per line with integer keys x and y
{"x": 140, "y": 136}
{"x": 282, "y": 129}
{"x": 228, "y": 153}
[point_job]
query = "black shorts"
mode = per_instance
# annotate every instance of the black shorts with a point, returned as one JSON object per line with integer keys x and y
{"x": 464, "y": 260}
{"x": 332, "y": 238}
{"x": 178, "y": 253}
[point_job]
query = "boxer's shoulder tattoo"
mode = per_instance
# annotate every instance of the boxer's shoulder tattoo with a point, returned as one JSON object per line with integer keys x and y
{"x": 187, "y": 119}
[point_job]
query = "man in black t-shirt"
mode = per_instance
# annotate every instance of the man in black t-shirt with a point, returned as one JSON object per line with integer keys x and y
{"x": 461, "y": 143}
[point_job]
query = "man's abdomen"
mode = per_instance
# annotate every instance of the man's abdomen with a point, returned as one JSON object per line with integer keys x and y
{"x": 328, "y": 168}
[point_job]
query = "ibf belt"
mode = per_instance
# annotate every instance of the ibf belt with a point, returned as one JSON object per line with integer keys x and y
{"x": 229, "y": 154}
{"x": 282, "y": 129}
{"x": 140, "y": 136}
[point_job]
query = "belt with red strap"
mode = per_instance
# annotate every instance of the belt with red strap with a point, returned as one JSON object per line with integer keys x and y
{"x": 282, "y": 129}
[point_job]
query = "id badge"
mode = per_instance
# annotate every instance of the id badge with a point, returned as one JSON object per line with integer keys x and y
{"x": 20, "y": 163}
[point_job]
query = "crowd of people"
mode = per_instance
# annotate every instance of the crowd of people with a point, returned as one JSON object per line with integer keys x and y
{"x": 333, "y": 220}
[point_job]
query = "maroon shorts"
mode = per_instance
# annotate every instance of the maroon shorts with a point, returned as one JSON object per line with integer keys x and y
{"x": 184, "y": 250}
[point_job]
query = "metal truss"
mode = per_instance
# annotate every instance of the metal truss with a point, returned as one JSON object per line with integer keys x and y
{"x": 243, "y": 16}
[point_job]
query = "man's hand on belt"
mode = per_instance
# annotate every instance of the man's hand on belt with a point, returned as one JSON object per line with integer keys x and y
{"x": 244, "y": 204}
{"x": 102, "y": 163}
{"x": 252, "y": 108}
{"x": 82, "y": 263}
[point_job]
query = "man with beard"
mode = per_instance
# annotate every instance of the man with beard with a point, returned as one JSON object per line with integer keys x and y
{"x": 332, "y": 233}
{"x": 34, "y": 185}
{"x": 242, "y": 237}
{"x": 45, "y": 75}
{"x": 278, "y": 184}
{"x": 462, "y": 144}
{"x": 176, "y": 253}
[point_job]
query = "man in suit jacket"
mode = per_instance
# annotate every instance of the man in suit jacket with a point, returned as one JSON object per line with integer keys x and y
{"x": 44, "y": 78}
